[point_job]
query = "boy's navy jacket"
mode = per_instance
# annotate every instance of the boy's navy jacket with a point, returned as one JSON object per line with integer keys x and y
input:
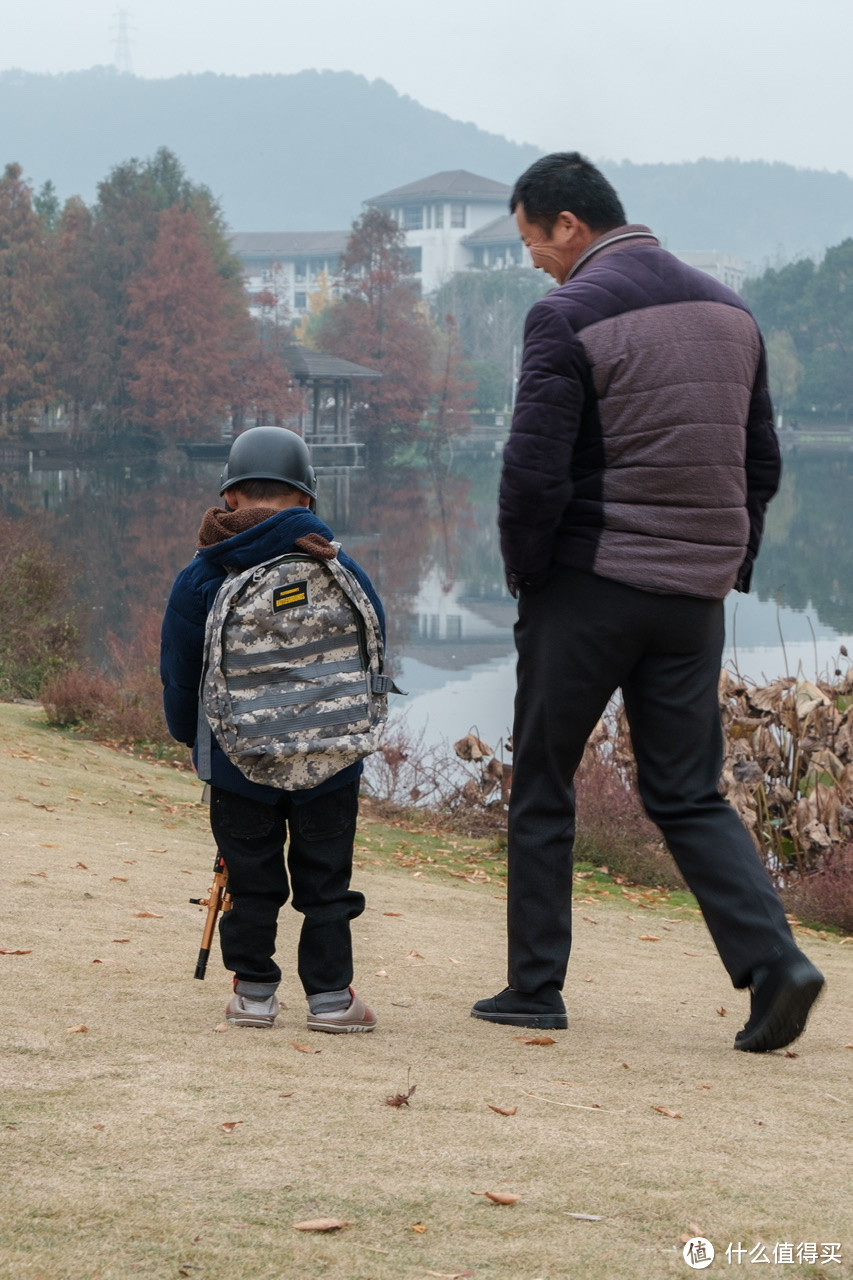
{"x": 182, "y": 640}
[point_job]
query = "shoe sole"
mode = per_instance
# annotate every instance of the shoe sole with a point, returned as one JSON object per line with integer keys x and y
{"x": 537, "y": 1021}
{"x": 251, "y": 1022}
{"x": 786, "y": 1018}
{"x": 337, "y": 1031}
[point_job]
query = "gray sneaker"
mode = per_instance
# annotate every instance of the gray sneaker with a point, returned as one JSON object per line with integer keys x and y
{"x": 243, "y": 1011}
{"x": 357, "y": 1017}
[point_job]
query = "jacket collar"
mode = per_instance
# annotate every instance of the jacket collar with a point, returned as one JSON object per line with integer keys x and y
{"x": 618, "y": 238}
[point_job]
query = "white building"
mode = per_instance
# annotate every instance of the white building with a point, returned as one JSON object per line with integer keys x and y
{"x": 453, "y": 221}
{"x": 438, "y": 215}
{"x": 725, "y": 267}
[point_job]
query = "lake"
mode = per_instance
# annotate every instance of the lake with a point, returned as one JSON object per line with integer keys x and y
{"x": 428, "y": 540}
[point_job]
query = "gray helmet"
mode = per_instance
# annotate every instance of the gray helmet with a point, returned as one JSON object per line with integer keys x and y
{"x": 270, "y": 453}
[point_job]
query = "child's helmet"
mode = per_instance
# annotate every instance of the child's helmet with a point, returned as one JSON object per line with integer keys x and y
{"x": 270, "y": 453}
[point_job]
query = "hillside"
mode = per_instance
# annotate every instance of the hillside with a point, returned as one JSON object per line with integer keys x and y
{"x": 301, "y": 152}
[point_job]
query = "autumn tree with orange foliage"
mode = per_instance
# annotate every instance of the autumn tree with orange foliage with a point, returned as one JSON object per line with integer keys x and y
{"x": 180, "y": 346}
{"x": 379, "y": 323}
{"x": 25, "y": 308}
{"x": 130, "y": 316}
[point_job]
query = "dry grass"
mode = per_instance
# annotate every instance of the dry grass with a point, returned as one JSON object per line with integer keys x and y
{"x": 116, "y": 1162}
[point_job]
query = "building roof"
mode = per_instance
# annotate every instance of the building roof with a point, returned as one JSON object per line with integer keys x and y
{"x": 503, "y": 230}
{"x": 307, "y": 364}
{"x": 288, "y": 244}
{"x": 451, "y": 184}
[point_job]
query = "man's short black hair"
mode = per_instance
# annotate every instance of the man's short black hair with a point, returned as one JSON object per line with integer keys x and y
{"x": 566, "y": 180}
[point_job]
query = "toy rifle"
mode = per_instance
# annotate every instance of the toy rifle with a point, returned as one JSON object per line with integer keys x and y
{"x": 218, "y": 899}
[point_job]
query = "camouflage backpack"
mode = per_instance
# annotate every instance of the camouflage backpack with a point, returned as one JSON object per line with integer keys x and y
{"x": 292, "y": 685}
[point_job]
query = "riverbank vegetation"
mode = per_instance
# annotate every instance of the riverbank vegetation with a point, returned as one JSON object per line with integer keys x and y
{"x": 788, "y": 766}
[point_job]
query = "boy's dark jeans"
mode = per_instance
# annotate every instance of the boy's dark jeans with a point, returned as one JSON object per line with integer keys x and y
{"x": 251, "y": 837}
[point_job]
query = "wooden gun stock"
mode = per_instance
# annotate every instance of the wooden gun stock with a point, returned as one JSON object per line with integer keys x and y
{"x": 218, "y": 899}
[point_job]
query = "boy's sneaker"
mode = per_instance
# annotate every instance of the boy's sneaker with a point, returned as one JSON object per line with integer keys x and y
{"x": 357, "y": 1017}
{"x": 243, "y": 1011}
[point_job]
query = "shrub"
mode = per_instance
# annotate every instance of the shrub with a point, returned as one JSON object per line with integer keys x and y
{"x": 39, "y": 637}
{"x": 124, "y": 708}
{"x": 612, "y": 827}
{"x": 76, "y": 696}
{"x": 825, "y": 898}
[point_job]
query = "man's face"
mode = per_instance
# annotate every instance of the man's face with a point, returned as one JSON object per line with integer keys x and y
{"x": 557, "y": 250}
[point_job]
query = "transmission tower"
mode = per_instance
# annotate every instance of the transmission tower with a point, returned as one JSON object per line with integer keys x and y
{"x": 122, "y": 59}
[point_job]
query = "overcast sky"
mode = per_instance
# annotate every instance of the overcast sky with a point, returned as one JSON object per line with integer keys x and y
{"x": 642, "y": 80}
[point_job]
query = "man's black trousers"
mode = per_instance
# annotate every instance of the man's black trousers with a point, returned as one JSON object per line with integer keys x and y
{"x": 580, "y": 637}
{"x": 251, "y": 838}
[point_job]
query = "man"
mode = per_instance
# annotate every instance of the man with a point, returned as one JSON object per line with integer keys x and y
{"x": 641, "y": 459}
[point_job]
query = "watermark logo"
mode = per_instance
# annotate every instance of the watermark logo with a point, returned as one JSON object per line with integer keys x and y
{"x": 698, "y": 1253}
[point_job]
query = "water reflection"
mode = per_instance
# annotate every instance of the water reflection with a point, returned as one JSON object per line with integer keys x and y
{"x": 427, "y": 537}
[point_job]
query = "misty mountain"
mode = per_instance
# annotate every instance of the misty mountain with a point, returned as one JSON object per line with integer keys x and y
{"x": 301, "y": 152}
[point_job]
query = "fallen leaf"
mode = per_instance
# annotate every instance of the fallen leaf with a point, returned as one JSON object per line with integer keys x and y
{"x": 392, "y": 913}
{"x": 400, "y": 1099}
{"x": 586, "y": 1217}
{"x": 287, "y": 1095}
{"x": 99, "y": 1126}
{"x": 82, "y": 1027}
{"x": 501, "y": 1197}
{"x": 648, "y": 937}
{"x": 4, "y": 952}
{"x": 451, "y": 1275}
{"x": 147, "y": 915}
{"x": 121, "y": 939}
{"x": 230, "y": 1125}
{"x": 123, "y": 879}
{"x": 381, "y": 973}
{"x": 722, "y": 1011}
{"x": 535, "y": 1039}
{"x": 414, "y": 955}
{"x": 419, "y": 1227}
{"x": 80, "y": 866}
{"x": 790, "y": 1054}
{"x": 304, "y": 1048}
{"x": 322, "y": 1224}
{"x": 221, "y": 1026}
{"x": 503, "y": 1111}
{"x": 666, "y": 1111}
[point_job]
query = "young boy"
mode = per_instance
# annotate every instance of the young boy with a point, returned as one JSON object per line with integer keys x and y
{"x": 269, "y": 488}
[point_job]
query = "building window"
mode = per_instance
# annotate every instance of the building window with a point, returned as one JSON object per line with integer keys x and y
{"x": 457, "y": 215}
{"x": 414, "y": 259}
{"x": 299, "y": 272}
{"x": 438, "y": 214}
{"x": 413, "y": 217}
{"x": 300, "y": 301}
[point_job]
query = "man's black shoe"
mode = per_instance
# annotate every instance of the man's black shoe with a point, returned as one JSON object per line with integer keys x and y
{"x": 782, "y": 995}
{"x": 544, "y": 1011}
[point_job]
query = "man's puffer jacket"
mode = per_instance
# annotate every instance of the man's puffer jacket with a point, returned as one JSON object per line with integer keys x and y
{"x": 642, "y": 446}
{"x": 182, "y": 638}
